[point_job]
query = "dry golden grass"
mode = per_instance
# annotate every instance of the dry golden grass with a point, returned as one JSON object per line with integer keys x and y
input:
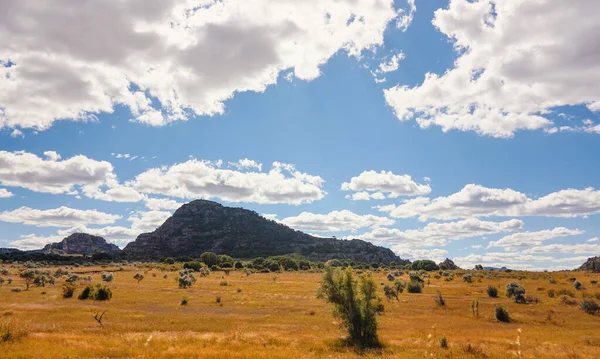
{"x": 278, "y": 316}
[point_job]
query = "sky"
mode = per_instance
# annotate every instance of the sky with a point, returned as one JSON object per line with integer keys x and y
{"x": 460, "y": 129}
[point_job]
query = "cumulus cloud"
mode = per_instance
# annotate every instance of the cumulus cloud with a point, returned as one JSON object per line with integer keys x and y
{"x": 246, "y": 164}
{"x": 516, "y": 260}
{"x": 4, "y": 193}
{"x": 141, "y": 222}
{"x": 580, "y": 248}
{"x": 383, "y": 182}
{"x": 592, "y": 240}
{"x": 54, "y": 175}
{"x": 522, "y": 240}
{"x": 478, "y": 201}
{"x": 16, "y": 133}
{"x": 517, "y": 60}
{"x": 437, "y": 255}
{"x": 438, "y": 234}
{"x": 390, "y": 65}
{"x": 58, "y": 217}
{"x": 405, "y": 17}
{"x": 157, "y": 204}
{"x": 335, "y": 221}
{"x": 204, "y": 179}
{"x": 167, "y": 59}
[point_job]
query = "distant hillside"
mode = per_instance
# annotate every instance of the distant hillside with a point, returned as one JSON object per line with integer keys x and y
{"x": 202, "y": 226}
{"x": 80, "y": 243}
{"x": 591, "y": 265}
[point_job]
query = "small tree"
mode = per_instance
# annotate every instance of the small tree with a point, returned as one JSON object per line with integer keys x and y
{"x": 354, "y": 302}
{"x": 209, "y": 258}
{"x": 515, "y": 290}
{"x": 29, "y": 276}
{"x": 139, "y": 277}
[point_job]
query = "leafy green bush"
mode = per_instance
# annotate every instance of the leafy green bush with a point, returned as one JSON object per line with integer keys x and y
{"x": 87, "y": 293}
{"x": 589, "y": 306}
{"x": 516, "y": 291}
{"x": 414, "y": 287}
{"x": 467, "y": 278}
{"x": 577, "y": 285}
{"x": 492, "y": 291}
{"x": 169, "y": 260}
{"x": 102, "y": 293}
{"x": 424, "y": 264}
{"x": 501, "y": 314}
{"x": 68, "y": 289}
{"x": 355, "y": 303}
{"x": 195, "y": 266}
{"x": 443, "y": 342}
{"x": 209, "y": 258}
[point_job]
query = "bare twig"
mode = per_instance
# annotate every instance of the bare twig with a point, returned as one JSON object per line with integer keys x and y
{"x": 98, "y": 318}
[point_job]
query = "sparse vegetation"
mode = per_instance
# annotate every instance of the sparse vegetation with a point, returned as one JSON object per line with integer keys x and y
{"x": 354, "y": 302}
{"x": 444, "y": 342}
{"x": 501, "y": 314}
{"x": 68, "y": 289}
{"x": 516, "y": 291}
{"x": 589, "y": 306}
{"x": 439, "y": 299}
{"x": 492, "y": 291}
{"x": 577, "y": 285}
{"x": 139, "y": 277}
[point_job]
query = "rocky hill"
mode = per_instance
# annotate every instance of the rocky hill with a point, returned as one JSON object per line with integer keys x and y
{"x": 448, "y": 264}
{"x": 591, "y": 265}
{"x": 202, "y": 226}
{"x": 80, "y": 243}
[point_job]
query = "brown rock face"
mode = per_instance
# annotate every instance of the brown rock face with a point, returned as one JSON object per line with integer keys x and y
{"x": 448, "y": 264}
{"x": 203, "y": 226}
{"x": 591, "y": 265}
{"x": 80, "y": 243}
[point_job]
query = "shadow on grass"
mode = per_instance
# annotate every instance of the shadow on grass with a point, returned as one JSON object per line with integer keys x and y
{"x": 345, "y": 345}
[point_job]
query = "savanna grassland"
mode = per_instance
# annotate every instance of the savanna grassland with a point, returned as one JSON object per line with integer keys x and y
{"x": 277, "y": 315}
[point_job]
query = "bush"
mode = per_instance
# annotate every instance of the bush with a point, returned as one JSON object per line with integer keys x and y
{"x": 238, "y": 265}
{"x": 107, "y": 277}
{"x": 139, "y": 277}
{"x": 439, "y": 299}
{"x": 551, "y": 293}
{"x": 184, "y": 301}
{"x": 209, "y": 258}
{"x": 224, "y": 258}
{"x": 87, "y": 293}
{"x": 169, "y": 260}
{"x": 390, "y": 293}
{"x": 567, "y": 300}
{"x": 272, "y": 265}
{"x": 414, "y": 287}
{"x": 501, "y": 314}
{"x": 425, "y": 264}
{"x": 443, "y": 342}
{"x": 223, "y": 284}
{"x": 589, "y": 306}
{"x": 10, "y": 331}
{"x": 467, "y": 278}
{"x": 492, "y": 291}
{"x": 577, "y": 285}
{"x": 195, "y": 266}
{"x": 218, "y": 298}
{"x": 68, "y": 289}
{"x": 355, "y": 303}
{"x": 566, "y": 292}
{"x": 16, "y": 290}
{"x": 516, "y": 291}
{"x": 102, "y": 293}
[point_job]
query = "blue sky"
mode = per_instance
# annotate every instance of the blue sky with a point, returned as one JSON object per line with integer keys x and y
{"x": 481, "y": 144}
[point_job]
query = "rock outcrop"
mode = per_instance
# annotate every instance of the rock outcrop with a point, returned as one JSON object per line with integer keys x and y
{"x": 591, "y": 265}
{"x": 448, "y": 264}
{"x": 80, "y": 243}
{"x": 202, "y": 226}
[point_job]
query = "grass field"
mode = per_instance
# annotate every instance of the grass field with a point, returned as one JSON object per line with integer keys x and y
{"x": 277, "y": 315}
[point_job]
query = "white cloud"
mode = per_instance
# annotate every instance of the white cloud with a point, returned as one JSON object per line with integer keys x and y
{"x": 565, "y": 248}
{"x": 383, "y": 182}
{"x": 478, "y": 201}
{"x": 437, "y": 255}
{"x": 438, "y": 234}
{"x": 522, "y": 240}
{"x": 592, "y": 240}
{"x": 31, "y": 241}
{"x": 148, "y": 221}
{"x": 516, "y": 260}
{"x": 245, "y": 164}
{"x": 517, "y": 59}
{"x": 16, "y": 133}
{"x": 203, "y": 179}
{"x": 58, "y": 217}
{"x": 335, "y": 221}
{"x": 270, "y": 216}
{"x": 477, "y": 246}
{"x": 157, "y": 204}
{"x": 188, "y": 57}
{"x": 56, "y": 176}
{"x": 4, "y": 193}
{"x": 388, "y": 66}
{"x": 405, "y": 18}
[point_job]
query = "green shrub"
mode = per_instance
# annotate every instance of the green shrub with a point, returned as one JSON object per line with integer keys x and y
{"x": 169, "y": 260}
{"x": 209, "y": 258}
{"x": 87, "y": 293}
{"x": 516, "y": 291}
{"x": 102, "y": 293}
{"x": 218, "y": 298}
{"x": 568, "y": 300}
{"x": 11, "y": 331}
{"x": 426, "y": 264}
{"x": 184, "y": 301}
{"x": 355, "y": 303}
{"x": 551, "y": 293}
{"x": 414, "y": 287}
{"x": 492, "y": 291}
{"x": 223, "y": 284}
{"x": 577, "y": 285}
{"x": 467, "y": 278}
{"x": 589, "y": 306}
{"x": 195, "y": 266}
{"x": 68, "y": 289}
{"x": 390, "y": 293}
{"x": 443, "y": 342}
{"x": 501, "y": 314}
{"x": 139, "y": 277}
{"x": 439, "y": 299}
